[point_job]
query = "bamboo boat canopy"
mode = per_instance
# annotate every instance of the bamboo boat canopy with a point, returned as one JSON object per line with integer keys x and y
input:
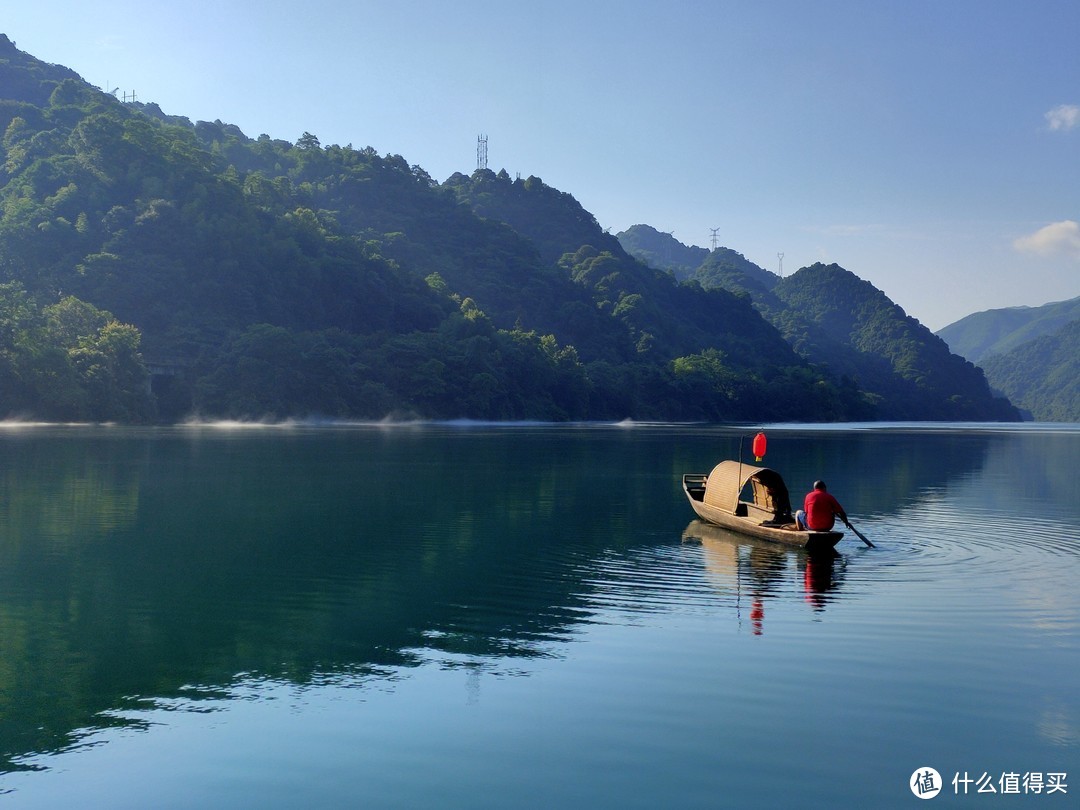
{"x": 726, "y": 482}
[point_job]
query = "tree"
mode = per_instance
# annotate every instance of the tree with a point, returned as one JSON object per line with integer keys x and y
{"x": 307, "y": 141}
{"x": 113, "y": 373}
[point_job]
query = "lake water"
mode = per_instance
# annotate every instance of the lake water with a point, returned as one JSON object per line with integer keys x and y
{"x": 528, "y": 616}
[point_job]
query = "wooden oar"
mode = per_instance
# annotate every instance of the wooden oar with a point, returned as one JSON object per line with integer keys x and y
{"x": 858, "y": 533}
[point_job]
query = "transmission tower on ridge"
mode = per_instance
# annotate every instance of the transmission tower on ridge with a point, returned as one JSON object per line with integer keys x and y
{"x": 481, "y": 151}
{"x": 780, "y": 256}
{"x": 714, "y": 232}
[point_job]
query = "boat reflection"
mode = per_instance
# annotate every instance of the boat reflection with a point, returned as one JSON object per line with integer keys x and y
{"x": 765, "y": 571}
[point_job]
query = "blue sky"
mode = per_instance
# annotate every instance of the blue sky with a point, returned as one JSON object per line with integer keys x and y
{"x": 930, "y": 147}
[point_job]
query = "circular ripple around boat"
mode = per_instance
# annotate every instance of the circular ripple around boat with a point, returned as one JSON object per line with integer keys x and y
{"x": 937, "y": 542}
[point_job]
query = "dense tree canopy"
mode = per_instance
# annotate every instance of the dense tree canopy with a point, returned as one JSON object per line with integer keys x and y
{"x": 69, "y": 361}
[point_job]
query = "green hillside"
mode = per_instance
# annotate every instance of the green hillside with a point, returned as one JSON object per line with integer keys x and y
{"x": 1042, "y": 375}
{"x": 259, "y": 278}
{"x": 846, "y": 324}
{"x": 997, "y": 331}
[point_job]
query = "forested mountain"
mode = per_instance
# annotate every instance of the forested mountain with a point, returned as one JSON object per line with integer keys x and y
{"x": 846, "y": 326}
{"x": 268, "y": 278}
{"x": 1042, "y": 375}
{"x": 849, "y": 326}
{"x": 662, "y": 250}
{"x": 997, "y": 331}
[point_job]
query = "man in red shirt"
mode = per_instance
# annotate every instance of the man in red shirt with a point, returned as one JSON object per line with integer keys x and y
{"x": 820, "y": 510}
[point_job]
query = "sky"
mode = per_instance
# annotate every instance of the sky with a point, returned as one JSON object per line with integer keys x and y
{"x": 931, "y": 147}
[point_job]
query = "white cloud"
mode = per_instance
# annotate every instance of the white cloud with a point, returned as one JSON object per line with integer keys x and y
{"x": 1063, "y": 117}
{"x": 1056, "y": 239}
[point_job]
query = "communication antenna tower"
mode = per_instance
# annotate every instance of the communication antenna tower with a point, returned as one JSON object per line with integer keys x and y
{"x": 714, "y": 232}
{"x": 481, "y": 151}
{"x": 780, "y": 256}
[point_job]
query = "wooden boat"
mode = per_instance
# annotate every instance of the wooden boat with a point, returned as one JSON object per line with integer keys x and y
{"x": 764, "y": 512}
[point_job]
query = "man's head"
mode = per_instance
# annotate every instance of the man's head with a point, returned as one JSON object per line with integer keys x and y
{"x": 819, "y": 485}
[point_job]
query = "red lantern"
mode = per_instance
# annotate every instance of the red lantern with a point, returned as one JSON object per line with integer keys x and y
{"x": 759, "y": 447}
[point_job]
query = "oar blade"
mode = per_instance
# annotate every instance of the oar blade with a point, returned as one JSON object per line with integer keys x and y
{"x": 860, "y": 535}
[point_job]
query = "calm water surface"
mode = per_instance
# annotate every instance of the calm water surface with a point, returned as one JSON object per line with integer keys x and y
{"x": 529, "y": 616}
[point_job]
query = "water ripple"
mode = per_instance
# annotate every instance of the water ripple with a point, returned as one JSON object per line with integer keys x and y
{"x": 939, "y": 541}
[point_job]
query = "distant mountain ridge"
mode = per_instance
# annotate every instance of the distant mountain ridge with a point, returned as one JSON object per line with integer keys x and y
{"x": 662, "y": 250}
{"x": 1029, "y": 353}
{"x": 997, "y": 331}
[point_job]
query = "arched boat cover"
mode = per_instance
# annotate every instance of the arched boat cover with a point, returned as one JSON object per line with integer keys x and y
{"x": 728, "y": 478}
